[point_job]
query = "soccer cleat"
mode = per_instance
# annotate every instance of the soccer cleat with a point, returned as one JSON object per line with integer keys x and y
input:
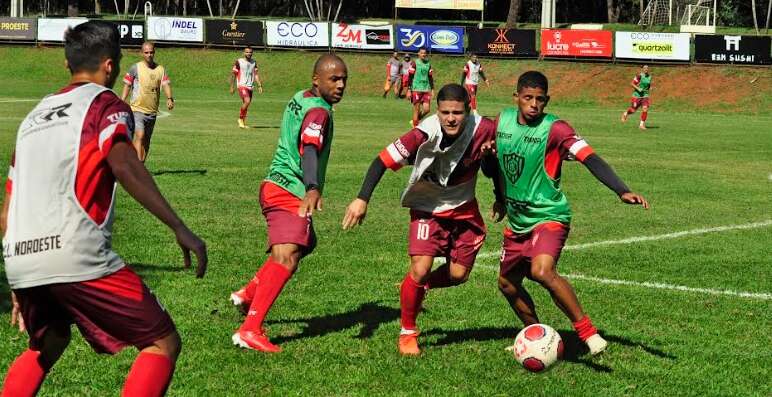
{"x": 240, "y": 300}
{"x": 255, "y": 341}
{"x": 642, "y": 125}
{"x": 242, "y": 123}
{"x": 408, "y": 344}
{"x": 624, "y": 116}
{"x": 597, "y": 344}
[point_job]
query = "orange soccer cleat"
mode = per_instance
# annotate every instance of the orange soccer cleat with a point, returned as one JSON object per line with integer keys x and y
{"x": 408, "y": 344}
{"x": 255, "y": 341}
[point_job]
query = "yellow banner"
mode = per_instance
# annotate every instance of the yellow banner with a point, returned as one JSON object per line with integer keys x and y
{"x": 443, "y": 4}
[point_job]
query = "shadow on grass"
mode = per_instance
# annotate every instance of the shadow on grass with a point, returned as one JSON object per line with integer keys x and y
{"x": 264, "y": 126}
{"x": 575, "y": 350}
{"x": 369, "y": 316}
{"x": 201, "y": 172}
{"x": 150, "y": 270}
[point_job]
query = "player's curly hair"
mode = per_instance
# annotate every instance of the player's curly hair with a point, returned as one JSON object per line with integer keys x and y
{"x": 88, "y": 44}
{"x": 532, "y": 79}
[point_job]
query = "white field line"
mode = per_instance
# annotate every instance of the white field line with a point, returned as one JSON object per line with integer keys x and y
{"x": 654, "y": 285}
{"x": 668, "y": 236}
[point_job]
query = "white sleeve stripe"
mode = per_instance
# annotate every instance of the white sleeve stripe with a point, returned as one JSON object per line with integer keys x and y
{"x": 395, "y": 154}
{"x": 107, "y": 133}
{"x": 10, "y": 172}
{"x": 577, "y": 146}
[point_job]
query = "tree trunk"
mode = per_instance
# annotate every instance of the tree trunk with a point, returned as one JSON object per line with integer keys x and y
{"x": 755, "y": 21}
{"x": 97, "y": 7}
{"x": 126, "y": 8}
{"x": 613, "y": 12}
{"x": 72, "y": 8}
{"x": 514, "y": 10}
{"x": 641, "y": 8}
{"x": 769, "y": 10}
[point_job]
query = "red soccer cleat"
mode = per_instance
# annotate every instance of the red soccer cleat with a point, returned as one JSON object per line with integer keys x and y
{"x": 408, "y": 344}
{"x": 255, "y": 341}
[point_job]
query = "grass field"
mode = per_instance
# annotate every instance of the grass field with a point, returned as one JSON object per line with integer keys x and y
{"x": 337, "y": 320}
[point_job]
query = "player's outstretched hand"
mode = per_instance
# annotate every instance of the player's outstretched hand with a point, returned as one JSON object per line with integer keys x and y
{"x": 169, "y": 103}
{"x": 355, "y": 214}
{"x": 260, "y": 89}
{"x": 190, "y": 242}
{"x": 498, "y": 211}
{"x": 634, "y": 198}
{"x": 311, "y": 201}
{"x": 488, "y": 148}
{"x": 16, "y": 318}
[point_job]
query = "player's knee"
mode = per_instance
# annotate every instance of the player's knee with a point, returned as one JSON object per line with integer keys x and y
{"x": 139, "y": 135}
{"x": 543, "y": 274}
{"x": 459, "y": 274}
{"x": 505, "y": 285}
{"x": 170, "y": 346}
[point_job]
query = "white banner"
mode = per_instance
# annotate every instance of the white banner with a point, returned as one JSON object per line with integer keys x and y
{"x": 649, "y": 45}
{"x": 363, "y": 36}
{"x": 175, "y": 29}
{"x": 443, "y": 4}
{"x": 50, "y": 29}
{"x": 297, "y": 34}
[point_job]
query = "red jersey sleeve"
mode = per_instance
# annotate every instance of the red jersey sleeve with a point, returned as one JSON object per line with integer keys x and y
{"x": 236, "y": 68}
{"x": 637, "y": 79}
{"x": 314, "y": 128}
{"x": 412, "y": 68}
{"x": 403, "y": 150}
{"x": 9, "y": 181}
{"x": 568, "y": 143}
{"x": 114, "y": 121}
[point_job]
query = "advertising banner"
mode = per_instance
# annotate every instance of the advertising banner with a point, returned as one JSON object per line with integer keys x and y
{"x": 650, "y": 45}
{"x": 50, "y": 29}
{"x": 502, "y": 42}
{"x": 18, "y": 29}
{"x": 576, "y": 43}
{"x": 132, "y": 32}
{"x": 297, "y": 34}
{"x": 175, "y": 29}
{"x": 363, "y": 37}
{"x": 446, "y": 39}
{"x": 444, "y": 4}
{"x": 741, "y": 50}
{"x": 237, "y": 32}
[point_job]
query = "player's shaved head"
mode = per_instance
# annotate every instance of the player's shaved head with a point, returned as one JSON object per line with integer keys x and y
{"x": 328, "y": 61}
{"x": 148, "y": 45}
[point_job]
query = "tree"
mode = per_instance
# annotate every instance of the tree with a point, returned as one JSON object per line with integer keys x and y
{"x": 613, "y": 10}
{"x": 514, "y": 11}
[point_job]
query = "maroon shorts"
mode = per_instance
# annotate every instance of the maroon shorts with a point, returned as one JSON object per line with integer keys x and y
{"x": 638, "y": 102}
{"x": 280, "y": 209}
{"x": 245, "y": 92}
{"x": 518, "y": 249}
{"x": 457, "y": 239}
{"x": 471, "y": 89}
{"x": 422, "y": 97}
{"x": 112, "y": 312}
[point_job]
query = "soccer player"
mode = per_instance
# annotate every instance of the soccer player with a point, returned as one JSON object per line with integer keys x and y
{"x": 57, "y": 220}
{"x": 641, "y": 86}
{"x": 245, "y": 73}
{"x": 290, "y": 194}
{"x": 393, "y": 75}
{"x": 445, "y": 222}
{"x": 473, "y": 71}
{"x": 420, "y": 86}
{"x": 530, "y": 146}
{"x": 145, "y": 79}
{"x": 406, "y": 64}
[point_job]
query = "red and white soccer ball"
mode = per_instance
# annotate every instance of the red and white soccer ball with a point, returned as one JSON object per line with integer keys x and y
{"x": 537, "y": 347}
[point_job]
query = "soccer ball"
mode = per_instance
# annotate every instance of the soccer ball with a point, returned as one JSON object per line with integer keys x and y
{"x": 537, "y": 347}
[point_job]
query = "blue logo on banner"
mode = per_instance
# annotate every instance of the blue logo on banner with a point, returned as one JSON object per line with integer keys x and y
{"x": 433, "y": 38}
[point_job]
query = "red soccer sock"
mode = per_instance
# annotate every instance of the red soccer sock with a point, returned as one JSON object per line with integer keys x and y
{"x": 440, "y": 278}
{"x": 24, "y": 376}
{"x": 584, "y": 328}
{"x": 251, "y": 286}
{"x": 411, "y": 295}
{"x": 272, "y": 280}
{"x": 150, "y": 375}
{"x": 242, "y": 113}
{"x": 473, "y": 103}
{"x": 644, "y": 115}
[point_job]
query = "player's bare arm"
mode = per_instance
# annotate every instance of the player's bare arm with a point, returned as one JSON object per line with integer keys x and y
{"x": 135, "y": 178}
{"x": 232, "y": 80}
{"x": 125, "y": 92}
{"x": 485, "y": 79}
{"x": 258, "y": 81}
{"x": 168, "y": 92}
{"x": 16, "y": 319}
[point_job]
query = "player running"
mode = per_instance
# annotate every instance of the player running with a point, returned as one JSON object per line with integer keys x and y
{"x": 57, "y": 223}
{"x": 421, "y": 86}
{"x": 641, "y": 86}
{"x": 406, "y": 64}
{"x": 445, "y": 222}
{"x": 393, "y": 75}
{"x": 531, "y": 146}
{"x": 290, "y": 194}
{"x": 473, "y": 71}
{"x": 245, "y": 75}
{"x": 146, "y": 79}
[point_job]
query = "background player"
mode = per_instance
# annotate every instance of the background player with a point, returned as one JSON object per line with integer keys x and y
{"x": 406, "y": 64}
{"x": 470, "y": 77}
{"x": 531, "y": 146}
{"x": 290, "y": 194}
{"x": 146, "y": 78}
{"x": 421, "y": 86}
{"x": 60, "y": 266}
{"x": 245, "y": 73}
{"x": 641, "y": 85}
{"x": 445, "y": 222}
{"x": 393, "y": 75}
